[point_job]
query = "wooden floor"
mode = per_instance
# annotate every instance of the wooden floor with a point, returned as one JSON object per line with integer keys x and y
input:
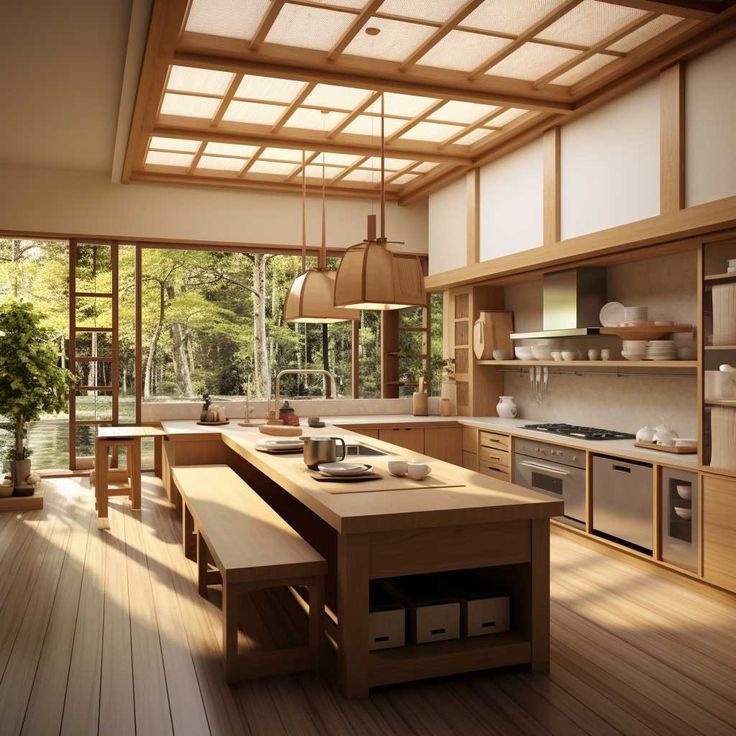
{"x": 103, "y": 632}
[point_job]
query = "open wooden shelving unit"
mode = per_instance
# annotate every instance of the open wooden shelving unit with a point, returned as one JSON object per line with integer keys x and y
{"x": 648, "y": 364}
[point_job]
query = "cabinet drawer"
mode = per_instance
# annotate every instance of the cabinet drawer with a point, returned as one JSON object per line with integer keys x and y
{"x": 494, "y": 471}
{"x": 492, "y": 456}
{"x": 491, "y": 439}
{"x": 410, "y": 438}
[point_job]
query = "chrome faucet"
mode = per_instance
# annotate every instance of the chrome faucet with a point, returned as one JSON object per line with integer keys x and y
{"x": 303, "y": 371}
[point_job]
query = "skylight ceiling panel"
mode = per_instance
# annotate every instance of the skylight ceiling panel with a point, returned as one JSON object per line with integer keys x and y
{"x": 220, "y": 163}
{"x": 284, "y": 154}
{"x": 256, "y": 113}
{"x": 240, "y": 150}
{"x": 506, "y": 117}
{"x": 436, "y": 10}
{"x": 279, "y": 168}
{"x": 424, "y": 167}
{"x": 269, "y": 89}
{"x": 457, "y": 111}
{"x": 371, "y": 126}
{"x": 336, "y": 97}
{"x": 314, "y": 171}
{"x": 590, "y": 22}
{"x": 474, "y": 136}
{"x": 339, "y": 159}
{"x": 359, "y": 4}
{"x": 395, "y": 41}
{"x": 391, "y": 164}
{"x": 407, "y": 106}
{"x": 304, "y": 117}
{"x": 462, "y": 51}
{"x": 584, "y": 69}
{"x": 175, "y": 144}
{"x": 646, "y": 33}
{"x": 163, "y": 158}
{"x": 532, "y": 61}
{"x": 226, "y": 18}
{"x": 189, "y": 106}
{"x": 509, "y": 16}
{"x": 404, "y": 179}
{"x": 435, "y": 132}
{"x": 200, "y": 81}
{"x": 309, "y": 28}
{"x": 365, "y": 175}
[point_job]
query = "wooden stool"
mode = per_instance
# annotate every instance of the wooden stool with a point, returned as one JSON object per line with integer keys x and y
{"x": 114, "y": 482}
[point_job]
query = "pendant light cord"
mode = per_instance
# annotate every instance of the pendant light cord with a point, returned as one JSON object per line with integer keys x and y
{"x": 383, "y": 174}
{"x": 304, "y": 212}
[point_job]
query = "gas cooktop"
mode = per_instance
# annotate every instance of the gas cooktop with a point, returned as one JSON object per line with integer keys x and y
{"x": 585, "y": 433}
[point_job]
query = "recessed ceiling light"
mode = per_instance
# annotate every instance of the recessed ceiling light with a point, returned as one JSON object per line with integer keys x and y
{"x": 372, "y": 31}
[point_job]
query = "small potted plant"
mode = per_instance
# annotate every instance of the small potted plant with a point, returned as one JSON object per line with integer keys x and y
{"x": 204, "y": 415}
{"x": 31, "y": 383}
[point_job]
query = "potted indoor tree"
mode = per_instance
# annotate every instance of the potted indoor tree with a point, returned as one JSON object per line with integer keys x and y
{"x": 31, "y": 382}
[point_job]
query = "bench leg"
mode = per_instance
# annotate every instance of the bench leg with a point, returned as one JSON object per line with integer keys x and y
{"x": 134, "y": 469}
{"x": 187, "y": 530}
{"x": 101, "y": 484}
{"x": 202, "y": 555}
{"x": 316, "y": 613}
{"x": 230, "y": 630}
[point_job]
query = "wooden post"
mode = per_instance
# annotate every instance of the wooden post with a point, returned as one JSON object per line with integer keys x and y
{"x": 551, "y": 186}
{"x": 540, "y": 606}
{"x": 672, "y": 139}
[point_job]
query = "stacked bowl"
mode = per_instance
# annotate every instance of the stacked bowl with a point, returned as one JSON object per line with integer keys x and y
{"x": 634, "y": 349}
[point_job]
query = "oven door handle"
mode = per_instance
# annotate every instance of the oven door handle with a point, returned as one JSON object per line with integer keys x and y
{"x": 539, "y": 466}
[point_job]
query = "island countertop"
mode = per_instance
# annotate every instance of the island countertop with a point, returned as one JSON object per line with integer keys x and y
{"x": 473, "y": 499}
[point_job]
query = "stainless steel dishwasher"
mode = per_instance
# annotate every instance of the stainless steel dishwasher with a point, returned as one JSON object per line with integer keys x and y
{"x": 622, "y": 501}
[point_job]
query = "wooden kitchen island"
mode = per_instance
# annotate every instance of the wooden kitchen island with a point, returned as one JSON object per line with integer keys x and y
{"x": 382, "y": 529}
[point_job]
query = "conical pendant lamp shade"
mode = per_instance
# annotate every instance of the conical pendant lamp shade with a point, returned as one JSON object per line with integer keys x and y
{"x": 311, "y": 296}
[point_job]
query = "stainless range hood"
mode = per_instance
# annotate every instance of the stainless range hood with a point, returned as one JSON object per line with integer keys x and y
{"x": 571, "y": 302}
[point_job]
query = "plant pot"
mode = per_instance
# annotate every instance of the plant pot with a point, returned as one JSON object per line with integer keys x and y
{"x": 420, "y": 404}
{"x": 6, "y": 489}
{"x": 19, "y": 471}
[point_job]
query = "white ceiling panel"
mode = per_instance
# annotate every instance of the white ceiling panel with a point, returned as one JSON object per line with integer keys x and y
{"x": 230, "y": 149}
{"x": 462, "y": 51}
{"x": 473, "y": 137}
{"x": 309, "y": 28}
{"x": 509, "y": 16}
{"x": 269, "y": 89}
{"x": 584, "y": 69}
{"x": 436, "y": 10}
{"x": 227, "y": 18}
{"x": 189, "y": 106}
{"x": 395, "y": 41}
{"x": 457, "y": 111}
{"x": 253, "y": 112}
{"x": 175, "y": 144}
{"x": 279, "y": 168}
{"x": 371, "y": 125}
{"x": 219, "y": 163}
{"x": 646, "y": 33}
{"x": 506, "y": 117}
{"x": 163, "y": 158}
{"x": 201, "y": 81}
{"x": 531, "y": 61}
{"x": 431, "y": 131}
{"x": 337, "y": 97}
{"x": 407, "y": 106}
{"x": 284, "y": 154}
{"x": 304, "y": 117}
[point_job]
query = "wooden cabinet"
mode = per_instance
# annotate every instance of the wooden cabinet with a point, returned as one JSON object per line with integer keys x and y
{"x": 719, "y": 531}
{"x": 494, "y": 455}
{"x": 444, "y": 443}
{"x": 411, "y": 438}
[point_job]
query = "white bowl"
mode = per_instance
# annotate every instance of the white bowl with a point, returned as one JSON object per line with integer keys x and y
{"x": 399, "y": 468}
{"x": 683, "y": 513}
{"x": 418, "y": 471}
{"x": 569, "y": 355}
{"x": 523, "y": 352}
{"x": 556, "y": 355}
{"x": 541, "y": 352}
{"x": 684, "y": 490}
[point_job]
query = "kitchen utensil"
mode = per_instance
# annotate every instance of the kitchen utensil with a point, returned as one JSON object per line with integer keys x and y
{"x": 545, "y": 382}
{"x": 343, "y": 468}
{"x": 683, "y": 512}
{"x": 500, "y": 354}
{"x": 492, "y": 330}
{"x": 418, "y": 471}
{"x": 665, "y": 436}
{"x": 362, "y": 478}
{"x": 321, "y": 450}
{"x": 398, "y": 468}
{"x": 684, "y": 490}
{"x": 612, "y": 314}
{"x": 506, "y": 407}
{"x": 635, "y": 315}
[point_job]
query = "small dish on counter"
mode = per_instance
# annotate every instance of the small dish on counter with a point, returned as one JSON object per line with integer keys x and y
{"x": 343, "y": 468}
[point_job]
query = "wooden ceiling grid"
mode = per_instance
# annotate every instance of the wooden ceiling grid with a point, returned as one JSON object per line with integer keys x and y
{"x": 231, "y": 92}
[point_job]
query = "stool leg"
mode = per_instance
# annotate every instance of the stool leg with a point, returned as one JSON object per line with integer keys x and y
{"x": 229, "y": 630}
{"x": 134, "y": 469}
{"x": 202, "y": 554}
{"x": 316, "y": 613}
{"x": 187, "y": 530}
{"x": 101, "y": 483}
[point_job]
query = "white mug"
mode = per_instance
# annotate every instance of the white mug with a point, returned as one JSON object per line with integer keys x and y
{"x": 499, "y": 354}
{"x": 417, "y": 471}
{"x": 605, "y": 354}
{"x": 397, "y": 467}
{"x": 593, "y": 354}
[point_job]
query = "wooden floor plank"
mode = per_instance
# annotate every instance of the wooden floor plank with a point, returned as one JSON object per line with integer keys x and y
{"x": 130, "y": 646}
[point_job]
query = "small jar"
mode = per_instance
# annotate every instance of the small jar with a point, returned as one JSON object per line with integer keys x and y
{"x": 506, "y": 407}
{"x": 287, "y": 414}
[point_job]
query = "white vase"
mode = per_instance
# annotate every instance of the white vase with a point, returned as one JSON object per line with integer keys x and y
{"x": 506, "y": 407}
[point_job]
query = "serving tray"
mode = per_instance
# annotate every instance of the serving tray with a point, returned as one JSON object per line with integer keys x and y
{"x": 665, "y": 448}
{"x": 214, "y": 424}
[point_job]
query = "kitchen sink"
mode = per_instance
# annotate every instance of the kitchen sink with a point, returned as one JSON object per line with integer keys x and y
{"x": 361, "y": 450}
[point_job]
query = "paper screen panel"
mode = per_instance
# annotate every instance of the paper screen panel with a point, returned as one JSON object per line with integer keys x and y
{"x": 424, "y": 167}
{"x": 474, "y": 136}
{"x": 506, "y": 117}
{"x": 202, "y": 81}
{"x": 339, "y": 159}
{"x": 189, "y": 106}
{"x": 437, "y": 10}
{"x": 590, "y": 22}
{"x": 214, "y": 148}
{"x": 164, "y": 158}
{"x": 371, "y": 126}
{"x": 314, "y": 171}
{"x": 407, "y": 106}
{"x": 283, "y": 154}
{"x": 269, "y": 89}
{"x": 363, "y": 175}
{"x": 226, "y": 18}
{"x": 457, "y": 111}
{"x": 584, "y": 69}
{"x": 304, "y": 117}
{"x": 220, "y": 163}
{"x": 390, "y": 164}
{"x": 396, "y": 40}
{"x": 531, "y": 61}
{"x": 509, "y": 16}
{"x": 272, "y": 167}
{"x": 256, "y": 113}
{"x": 175, "y": 144}
{"x": 404, "y": 179}
{"x": 425, "y": 131}
{"x": 462, "y": 51}
{"x": 336, "y": 97}
{"x": 309, "y": 28}
{"x": 646, "y": 33}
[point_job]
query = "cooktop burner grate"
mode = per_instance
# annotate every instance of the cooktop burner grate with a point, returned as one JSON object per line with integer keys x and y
{"x": 585, "y": 433}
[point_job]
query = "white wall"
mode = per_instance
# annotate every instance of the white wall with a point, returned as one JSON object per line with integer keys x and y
{"x": 448, "y": 219}
{"x": 61, "y": 201}
{"x": 710, "y": 126}
{"x": 511, "y": 202}
{"x": 610, "y": 164}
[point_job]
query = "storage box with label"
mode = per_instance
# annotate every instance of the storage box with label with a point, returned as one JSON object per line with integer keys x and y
{"x": 432, "y": 614}
{"x": 483, "y": 608}
{"x": 386, "y": 620}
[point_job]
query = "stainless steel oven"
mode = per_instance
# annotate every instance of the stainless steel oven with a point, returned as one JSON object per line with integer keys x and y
{"x": 555, "y": 470}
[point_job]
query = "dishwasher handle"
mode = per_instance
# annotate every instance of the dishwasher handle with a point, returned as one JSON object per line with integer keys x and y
{"x": 621, "y": 468}
{"x": 546, "y": 468}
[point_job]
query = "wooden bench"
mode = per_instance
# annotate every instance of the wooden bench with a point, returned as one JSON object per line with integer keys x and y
{"x": 252, "y": 548}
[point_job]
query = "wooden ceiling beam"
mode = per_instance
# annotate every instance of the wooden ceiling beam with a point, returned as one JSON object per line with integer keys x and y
{"x": 276, "y": 127}
{"x": 450, "y": 25}
{"x": 415, "y": 121}
{"x": 420, "y": 153}
{"x": 474, "y": 126}
{"x": 363, "y": 17}
{"x": 266, "y": 23}
{"x": 372, "y": 75}
{"x": 522, "y": 38}
{"x": 354, "y": 114}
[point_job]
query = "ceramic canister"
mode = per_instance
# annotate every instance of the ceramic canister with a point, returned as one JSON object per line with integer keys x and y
{"x": 506, "y": 407}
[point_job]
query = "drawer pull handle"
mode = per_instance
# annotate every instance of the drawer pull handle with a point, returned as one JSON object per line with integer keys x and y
{"x": 377, "y": 639}
{"x": 622, "y": 468}
{"x": 438, "y": 631}
{"x": 487, "y": 624}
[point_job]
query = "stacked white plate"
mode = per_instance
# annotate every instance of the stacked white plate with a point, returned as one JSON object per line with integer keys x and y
{"x": 635, "y": 315}
{"x": 661, "y": 350}
{"x": 635, "y": 349}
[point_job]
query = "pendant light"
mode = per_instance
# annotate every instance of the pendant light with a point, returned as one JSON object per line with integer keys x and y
{"x": 311, "y": 296}
{"x": 370, "y": 275}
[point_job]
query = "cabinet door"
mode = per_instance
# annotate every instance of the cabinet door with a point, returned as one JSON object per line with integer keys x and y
{"x": 360, "y": 429}
{"x": 411, "y": 438}
{"x": 470, "y": 460}
{"x": 719, "y": 531}
{"x": 444, "y": 443}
